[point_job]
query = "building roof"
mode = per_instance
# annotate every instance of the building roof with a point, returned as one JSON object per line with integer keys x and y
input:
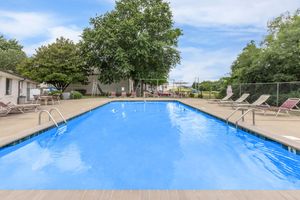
{"x": 14, "y": 75}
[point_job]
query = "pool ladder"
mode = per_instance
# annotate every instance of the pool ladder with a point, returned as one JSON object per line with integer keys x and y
{"x": 242, "y": 117}
{"x": 49, "y": 113}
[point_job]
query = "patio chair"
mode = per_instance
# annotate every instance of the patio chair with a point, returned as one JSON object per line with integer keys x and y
{"x": 123, "y": 94}
{"x": 226, "y": 98}
{"x": 287, "y": 106}
{"x": 133, "y": 95}
{"x": 259, "y": 103}
{"x": 25, "y": 107}
{"x": 240, "y": 100}
{"x": 112, "y": 95}
{"x": 155, "y": 94}
{"x": 56, "y": 97}
{"x": 8, "y": 108}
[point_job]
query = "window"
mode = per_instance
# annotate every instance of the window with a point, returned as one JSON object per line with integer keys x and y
{"x": 8, "y": 86}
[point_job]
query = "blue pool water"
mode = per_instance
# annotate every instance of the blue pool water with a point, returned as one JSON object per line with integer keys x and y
{"x": 153, "y": 145}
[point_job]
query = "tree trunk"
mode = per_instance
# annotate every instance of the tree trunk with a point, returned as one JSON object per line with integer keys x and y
{"x": 142, "y": 88}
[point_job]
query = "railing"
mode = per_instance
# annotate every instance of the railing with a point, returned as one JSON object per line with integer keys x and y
{"x": 236, "y": 110}
{"x": 242, "y": 117}
{"x": 51, "y": 116}
{"x": 56, "y": 109}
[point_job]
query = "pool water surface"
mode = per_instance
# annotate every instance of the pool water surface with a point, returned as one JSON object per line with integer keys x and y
{"x": 148, "y": 145}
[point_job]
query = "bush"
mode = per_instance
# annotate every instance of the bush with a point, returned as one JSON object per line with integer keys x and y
{"x": 192, "y": 95}
{"x": 76, "y": 95}
{"x": 82, "y": 91}
{"x": 56, "y": 92}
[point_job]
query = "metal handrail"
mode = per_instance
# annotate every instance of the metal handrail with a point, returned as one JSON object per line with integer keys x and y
{"x": 50, "y": 117}
{"x": 229, "y": 116}
{"x": 56, "y": 109}
{"x": 244, "y": 114}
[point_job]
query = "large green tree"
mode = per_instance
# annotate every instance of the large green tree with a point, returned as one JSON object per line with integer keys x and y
{"x": 59, "y": 64}
{"x": 278, "y": 57}
{"x": 11, "y": 54}
{"x": 136, "y": 40}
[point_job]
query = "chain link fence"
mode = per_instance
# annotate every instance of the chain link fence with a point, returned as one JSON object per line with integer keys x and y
{"x": 279, "y": 92}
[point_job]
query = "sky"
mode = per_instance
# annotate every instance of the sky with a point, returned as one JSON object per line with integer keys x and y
{"x": 215, "y": 31}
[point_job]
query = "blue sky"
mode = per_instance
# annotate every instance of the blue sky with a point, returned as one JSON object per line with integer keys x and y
{"x": 215, "y": 31}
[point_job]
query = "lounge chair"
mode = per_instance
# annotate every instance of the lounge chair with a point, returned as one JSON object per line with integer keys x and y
{"x": 240, "y": 100}
{"x": 287, "y": 106}
{"x": 155, "y": 94}
{"x": 26, "y": 107}
{"x": 112, "y": 95}
{"x": 227, "y": 98}
{"x": 259, "y": 103}
{"x": 133, "y": 94}
{"x": 56, "y": 97}
{"x": 123, "y": 94}
{"x": 8, "y": 108}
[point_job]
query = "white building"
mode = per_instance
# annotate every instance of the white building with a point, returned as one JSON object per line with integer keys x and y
{"x": 15, "y": 88}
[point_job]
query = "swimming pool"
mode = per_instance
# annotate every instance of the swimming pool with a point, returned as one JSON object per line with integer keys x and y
{"x": 148, "y": 145}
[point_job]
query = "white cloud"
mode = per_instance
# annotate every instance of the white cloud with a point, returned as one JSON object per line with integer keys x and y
{"x": 27, "y": 25}
{"x": 229, "y": 12}
{"x": 207, "y": 65}
{"x": 71, "y": 32}
{"x": 24, "y": 24}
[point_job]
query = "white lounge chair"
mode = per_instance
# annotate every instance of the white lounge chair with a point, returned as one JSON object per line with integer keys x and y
{"x": 240, "y": 100}
{"x": 7, "y": 108}
{"x": 260, "y": 102}
{"x": 226, "y": 98}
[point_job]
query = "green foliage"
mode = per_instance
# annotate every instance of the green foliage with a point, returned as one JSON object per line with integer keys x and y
{"x": 11, "y": 54}
{"x": 76, "y": 95}
{"x": 57, "y": 92}
{"x": 191, "y": 95}
{"x": 82, "y": 91}
{"x": 136, "y": 40}
{"x": 59, "y": 64}
{"x": 277, "y": 59}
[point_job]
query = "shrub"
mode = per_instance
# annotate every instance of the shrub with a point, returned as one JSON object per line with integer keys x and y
{"x": 56, "y": 92}
{"x": 82, "y": 91}
{"x": 76, "y": 95}
{"x": 192, "y": 95}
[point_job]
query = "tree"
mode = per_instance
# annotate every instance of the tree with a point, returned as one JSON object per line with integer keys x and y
{"x": 11, "y": 54}
{"x": 59, "y": 64}
{"x": 136, "y": 40}
{"x": 242, "y": 69}
{"x": 277, "y": 59}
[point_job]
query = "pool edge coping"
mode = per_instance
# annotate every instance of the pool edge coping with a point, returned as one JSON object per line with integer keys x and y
{"x": 287, "y": 144}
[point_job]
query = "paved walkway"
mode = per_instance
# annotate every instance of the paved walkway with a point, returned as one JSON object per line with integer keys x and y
{"x": 147, "y": 195}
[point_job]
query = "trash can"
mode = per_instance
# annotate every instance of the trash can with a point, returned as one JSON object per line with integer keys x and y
{"x": 66, "y": 95}
{"x": 22, "y": 99}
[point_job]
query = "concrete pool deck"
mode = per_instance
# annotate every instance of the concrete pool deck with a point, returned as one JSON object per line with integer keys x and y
{"x": 149, "y": 195}
{"x": 283, "y": 129}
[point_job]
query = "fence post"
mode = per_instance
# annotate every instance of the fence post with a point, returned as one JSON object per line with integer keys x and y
{"x": 240, "y": 89}
{"x": 277, "y": 95}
